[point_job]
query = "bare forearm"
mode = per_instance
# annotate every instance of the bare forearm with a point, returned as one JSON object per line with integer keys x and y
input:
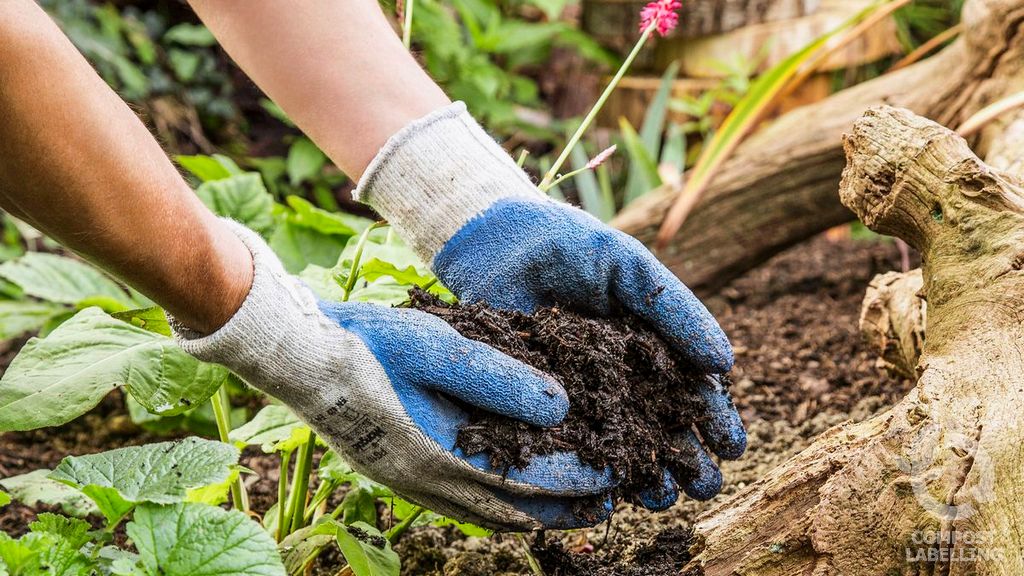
{"x": 335, "y": 66}
{"x": 76, "y": 163}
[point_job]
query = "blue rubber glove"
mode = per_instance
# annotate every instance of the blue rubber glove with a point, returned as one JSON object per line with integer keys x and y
{"x": 492, "y": 236}
{"x": 379, "y": 385}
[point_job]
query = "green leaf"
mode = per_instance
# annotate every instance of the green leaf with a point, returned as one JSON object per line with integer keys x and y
{"x": 117, "y": 562}
{"x": 367, "y": 552}
{"x": 641, "y": 163}
{"x": 199, "y": 540}
{"x": 36, "y": 487}
{"x": 190, "y": 35}
{"x": 322, "y": 282}
{"x": 23, "y": 557}
{"x": 64, "y": 557}
{"x": 300, "y": 246}
{"x": 654, "y": 118}
{"x": 243, "y": 198}
{"x": 208, "y": 168}
{"x": 338, "y": 223}
{"x": 674, "y": 151}
{"x": 300, "y": 548}
{"x": 19, "y": 317}
{"x": 161, "y": 473}
{"x": 60, "y": 279}
{"x": 271, "y": 425}
{"x": 58, "y": 378}
{"x": 376, "y": 268}
{"x": 152, "y": 319}
{"x": 304, "y": 161}
{"x": 5, "y": 498}
{"x": 184, "y": 64}
{"x": 359, "y": 505}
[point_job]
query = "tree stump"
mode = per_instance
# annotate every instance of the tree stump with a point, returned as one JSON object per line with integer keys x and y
{"x": 932, "y": 486}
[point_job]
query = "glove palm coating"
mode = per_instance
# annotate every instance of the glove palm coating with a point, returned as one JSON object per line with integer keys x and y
{"x": 377, "y": 384}
{"x": 492, "y": 236}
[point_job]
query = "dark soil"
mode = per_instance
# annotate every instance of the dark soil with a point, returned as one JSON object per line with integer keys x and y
{"x": 629, "y": 392}
{"x": 801, "y": 368}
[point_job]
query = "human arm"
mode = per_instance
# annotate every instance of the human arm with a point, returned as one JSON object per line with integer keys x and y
{"x": 76, "y": 163}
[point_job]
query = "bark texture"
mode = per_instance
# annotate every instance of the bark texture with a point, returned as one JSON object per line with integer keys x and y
{"x": 931, "y": 486}
{"x": 892, "y": 320}
{"x": 779, "y": 188}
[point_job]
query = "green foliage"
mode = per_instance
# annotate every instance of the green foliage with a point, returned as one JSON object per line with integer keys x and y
{"x": 185, "y": 539}
{"x": 274, "y": 429}
{"x": 58, "y": 378}
{"x": 62, "y": 280}
{"x": 36, "y": 487}
{"x": 242, "y": 198}
{"x": 923, "y": 19}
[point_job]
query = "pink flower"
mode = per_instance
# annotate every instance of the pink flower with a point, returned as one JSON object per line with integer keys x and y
{"x": 662, "y": 13}
{"x": 601, "y": 158}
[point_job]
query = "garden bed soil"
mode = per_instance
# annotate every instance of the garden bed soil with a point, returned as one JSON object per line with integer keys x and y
{"x": 801, "y": 368}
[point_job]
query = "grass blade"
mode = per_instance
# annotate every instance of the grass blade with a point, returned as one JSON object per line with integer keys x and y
{"x": 643, "y": 171}
{"x": 589, "y": 190}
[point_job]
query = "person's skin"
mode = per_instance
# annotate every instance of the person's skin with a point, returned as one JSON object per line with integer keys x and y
{"x": 76, "y": 163}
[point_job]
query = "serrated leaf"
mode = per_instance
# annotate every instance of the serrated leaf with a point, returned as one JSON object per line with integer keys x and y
{"x": 161, "y": 473}
{"x": 243, "y": 198}
{"x": 64, "y": 557}
{"x": 58, "y": 378}
{"x": 271, "y": 425}
{"x": 305, "y": 160}
{"x": 36, "y": 487}
{"x": 59, "y": 279}
{"x": 19, "y": 317}
{"x": 200, "y": 540}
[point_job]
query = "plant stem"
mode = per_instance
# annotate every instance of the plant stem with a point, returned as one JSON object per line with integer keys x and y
{"x": 323, "y": 492}
{"x": 522, "y": 157}
{"x": 353, "y": 271}
{"x": 300, "y": 484}
{"x": 589, "y": 119}
{"x": 561, "y": 179}
{"x": 407, "y": 25}
{"x": 396, "y": 532}
{"x": 222, "y": 414}
{"x": 535, "y": 566}
{"x": 282, "y": 495}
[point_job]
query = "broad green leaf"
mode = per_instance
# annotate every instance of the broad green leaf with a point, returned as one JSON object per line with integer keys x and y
{"x": 184, "y": 64}
{"x": 5, "y": 498}
{"x": 367, "y": 552}
{"x": 243, "y": 198}
{"x": 23, "y": 557}
{"x": 322, "y": 282}
{"x": 199, "y": 540}
{"x": 271, "y": 425}
{"x": 161, "y": 473}
{"x": 375, "y": 268}
{"x": 591, "y": 197}
{"x": 304, "y": 161}
{"x": 65, "y": 556}
{"x": 300, "y": 548}
{"x": 36, "y": 487}
{"x": 111, "y": 504}
{"x": 359, "y": 505}
{"x": 208, "y": 168}
{"x": 641, "y": 162}
{"x": 339, "y": 223}
{"x": 19, "y": 317}
{"x": 60, "y": 279}
{"x": 187, "y": 34}
{"x": 151, "y": 319}
{"x": 214, "y": 494}
{"x": 300, "y": 246}
{"x": 58, "y": 378}
{"x": 117, "y": 562}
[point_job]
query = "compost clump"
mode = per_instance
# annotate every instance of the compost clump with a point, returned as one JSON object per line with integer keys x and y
{"x": 632, "y": 397}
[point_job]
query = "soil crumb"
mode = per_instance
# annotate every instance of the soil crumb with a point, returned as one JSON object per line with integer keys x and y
{"x": 632, "y": 397}
{"x": 663, "y": 555}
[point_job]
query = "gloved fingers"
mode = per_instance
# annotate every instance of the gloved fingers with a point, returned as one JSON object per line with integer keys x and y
{"x": 721, "y": 427}
{"x": 661, "y": 497}
{"x": 559, "y": 474}
{"x": 499, "y": 510}
{"x": 562, "y": 513}
{"x": 700, "y": 477}
{"x": 646, "y": 288}
{"x": 480, "y": 375}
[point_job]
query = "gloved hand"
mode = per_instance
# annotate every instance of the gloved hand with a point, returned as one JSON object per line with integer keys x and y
{"x": 491, "y": 235}
{"x": 375, "y": 383}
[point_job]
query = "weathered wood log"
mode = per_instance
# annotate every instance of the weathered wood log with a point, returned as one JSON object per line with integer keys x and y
{"x": 892, "y": 320}
{"x": 779, "y": 188}
{"x": 931, "y": 486}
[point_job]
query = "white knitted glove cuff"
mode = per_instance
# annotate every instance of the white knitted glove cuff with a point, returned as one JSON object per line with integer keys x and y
{"x": 257, "y": 342}
{"x": 436, "y": 174}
